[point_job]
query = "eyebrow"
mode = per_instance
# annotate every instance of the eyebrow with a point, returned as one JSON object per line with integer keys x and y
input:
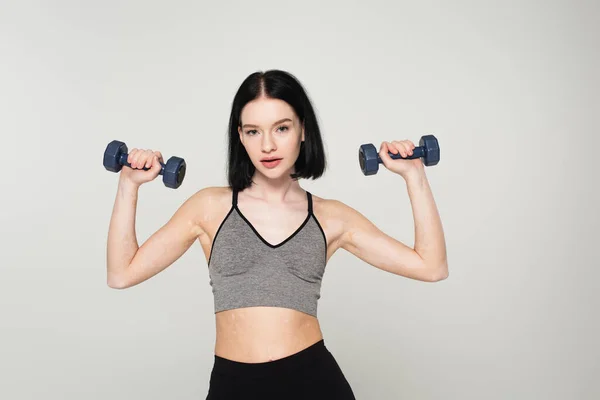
{"x": 276, "y": 123}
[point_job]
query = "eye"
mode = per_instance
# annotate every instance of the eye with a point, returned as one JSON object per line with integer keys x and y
{"x": 251, "y": 132}
{"x": 283, "y": 128}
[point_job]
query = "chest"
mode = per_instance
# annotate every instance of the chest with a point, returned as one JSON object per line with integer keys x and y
{"x": 273, "y": 225}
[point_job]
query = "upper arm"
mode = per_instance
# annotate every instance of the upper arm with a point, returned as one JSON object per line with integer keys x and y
{"x": 167, "y": 244}
{"x": 366, "y": 241}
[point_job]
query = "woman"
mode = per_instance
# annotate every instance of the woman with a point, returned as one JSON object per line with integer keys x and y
{"x": 267, "y": 241}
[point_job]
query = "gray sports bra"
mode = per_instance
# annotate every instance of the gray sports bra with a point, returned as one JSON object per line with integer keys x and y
{"x": 245, "y": 270}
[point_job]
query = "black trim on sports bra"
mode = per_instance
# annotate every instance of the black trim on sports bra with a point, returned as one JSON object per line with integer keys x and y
{"x": 234, "y": 198}
{"x": 290, "y": 237}
{"x": 234, "y": 206}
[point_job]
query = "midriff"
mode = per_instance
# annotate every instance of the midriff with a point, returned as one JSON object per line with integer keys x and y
{"x": 261, "y": 334}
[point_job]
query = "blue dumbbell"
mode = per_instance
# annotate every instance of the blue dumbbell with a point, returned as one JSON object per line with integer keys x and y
{"x": 173, "y": 172}
{"x": 428, "y": 150}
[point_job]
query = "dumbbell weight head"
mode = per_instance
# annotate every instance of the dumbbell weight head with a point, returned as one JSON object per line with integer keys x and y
{"x": 368, "y": 159}
{"x": 112, "y": 155}
{"x": 428, "y": 150}
{"x": 173, "y": 172}
{"x": 431, "y": 149}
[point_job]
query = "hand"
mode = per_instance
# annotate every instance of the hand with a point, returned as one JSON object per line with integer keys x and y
{"x": 405, "y": 168}
{"x": 140, "y": 159}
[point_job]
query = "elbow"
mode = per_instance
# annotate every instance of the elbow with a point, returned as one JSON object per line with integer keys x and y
{"x": 438, "y": 273}
{"x": 442, "y": 276}
{"x": 116, "y": 281}
{"x": 115, "y": 284}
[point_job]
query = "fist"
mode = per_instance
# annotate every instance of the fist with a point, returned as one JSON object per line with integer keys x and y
{"x": 402, "y": 167}
{"x": 140, "y": 159}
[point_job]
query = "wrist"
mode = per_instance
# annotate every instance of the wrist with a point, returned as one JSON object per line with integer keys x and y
{"x": 416, "y": 176}
{"x": 127, "y": 186}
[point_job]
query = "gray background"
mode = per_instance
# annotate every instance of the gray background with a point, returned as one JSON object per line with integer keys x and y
{"x": 510, "y": 88}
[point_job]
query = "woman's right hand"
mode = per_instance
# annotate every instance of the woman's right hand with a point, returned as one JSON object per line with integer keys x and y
{"x": 139, "y": 159}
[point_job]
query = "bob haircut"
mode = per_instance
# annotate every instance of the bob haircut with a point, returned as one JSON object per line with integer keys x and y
{"x": 281, "y": 85}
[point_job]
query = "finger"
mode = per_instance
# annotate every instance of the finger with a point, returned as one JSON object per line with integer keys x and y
{"x": 156, "y": 163}
{"x": 383, "y": 153}
{"x": 408, "y": 147}
{"x": 160, "y": 156}
{"x": 142, "y": 159}
{"x": 130, "y": 156}
{"x": 137, "y": 158}
{"x": 390, "y": 148}
{"x": 149, "y": 158}
{"x": 134, "y": 156}
{"x": 383, "y": 148}
{"x": 402, "y": 147}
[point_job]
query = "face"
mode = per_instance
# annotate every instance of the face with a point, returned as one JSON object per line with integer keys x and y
{"x": 270, "y": 129}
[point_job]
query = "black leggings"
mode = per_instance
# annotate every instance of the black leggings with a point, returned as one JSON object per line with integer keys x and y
{"x": 312, "y": 373}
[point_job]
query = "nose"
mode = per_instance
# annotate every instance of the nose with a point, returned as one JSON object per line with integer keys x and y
{"x": 268, "y": 144}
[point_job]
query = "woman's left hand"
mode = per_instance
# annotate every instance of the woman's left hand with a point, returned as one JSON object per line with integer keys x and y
{"x": 405, "y": 168}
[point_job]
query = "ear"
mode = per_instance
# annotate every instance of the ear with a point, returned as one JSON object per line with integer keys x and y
{"x": 303, "y": 132}
{"x": 241, "y": 133}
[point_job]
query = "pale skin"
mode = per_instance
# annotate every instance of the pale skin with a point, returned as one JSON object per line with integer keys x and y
{"x": 276, "y": 205}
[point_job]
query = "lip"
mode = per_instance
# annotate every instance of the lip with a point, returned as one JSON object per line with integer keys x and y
{"x": 270, "y": 162}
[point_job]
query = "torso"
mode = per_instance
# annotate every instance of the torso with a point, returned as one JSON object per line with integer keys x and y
{"x": 260, "y": 334}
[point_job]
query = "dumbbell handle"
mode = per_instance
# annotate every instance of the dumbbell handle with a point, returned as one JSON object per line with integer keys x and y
{"x": 418, "y": 152}
{"x": 123, "y": 161}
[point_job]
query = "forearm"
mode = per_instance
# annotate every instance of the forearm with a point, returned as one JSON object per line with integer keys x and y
{"x": 430, "y": 243}
{"x": 122, "y": 241}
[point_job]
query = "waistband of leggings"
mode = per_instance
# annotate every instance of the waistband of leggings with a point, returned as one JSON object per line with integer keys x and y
{"x": 276, "y": 367}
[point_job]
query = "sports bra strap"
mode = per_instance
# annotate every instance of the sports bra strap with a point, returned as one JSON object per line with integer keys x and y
{"x": 234, "y": 197}
{"x": 310, "y": 205}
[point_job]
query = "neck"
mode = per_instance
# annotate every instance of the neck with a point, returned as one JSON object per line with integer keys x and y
{"x": 274, "y": 190}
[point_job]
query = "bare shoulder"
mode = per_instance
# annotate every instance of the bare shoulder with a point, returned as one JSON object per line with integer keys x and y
{"x": 332, "y": 208}
{"x": 209, "y": 205}
{"x": 347, "y": 224}
{"x": 212, "y": 195}
{"x": 336, "y": 217}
